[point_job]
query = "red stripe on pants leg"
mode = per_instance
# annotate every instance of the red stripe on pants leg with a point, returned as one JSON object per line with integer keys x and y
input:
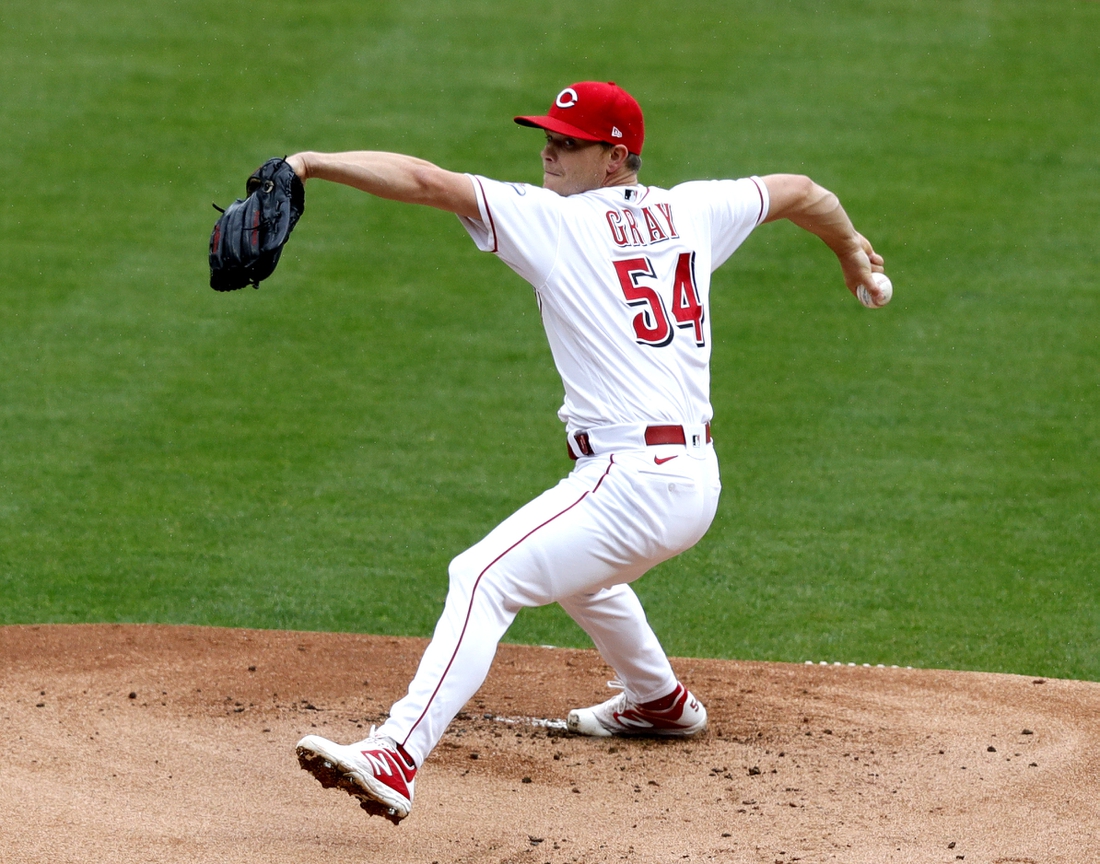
{"x": 477, "y": 582}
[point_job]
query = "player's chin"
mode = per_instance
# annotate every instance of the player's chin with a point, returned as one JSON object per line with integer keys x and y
{"x": 560, "y": 185}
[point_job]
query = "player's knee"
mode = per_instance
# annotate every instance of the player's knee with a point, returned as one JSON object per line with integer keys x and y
{"x": 495, "y": 584}
{"x": 462, "y": 571}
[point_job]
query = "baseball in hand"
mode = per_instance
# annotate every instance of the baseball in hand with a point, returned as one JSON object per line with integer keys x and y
{"x": 885, "y": 286}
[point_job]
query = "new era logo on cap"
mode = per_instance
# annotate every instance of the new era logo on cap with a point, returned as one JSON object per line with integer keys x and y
{"x": 594, "y": 111}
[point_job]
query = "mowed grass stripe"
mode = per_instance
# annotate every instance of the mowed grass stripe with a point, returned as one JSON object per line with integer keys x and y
{"x": 911, "y": 486}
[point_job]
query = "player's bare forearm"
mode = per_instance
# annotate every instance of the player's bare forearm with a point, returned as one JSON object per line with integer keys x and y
{"x": 392, "y": 175}
{"x": 817, "y": 210}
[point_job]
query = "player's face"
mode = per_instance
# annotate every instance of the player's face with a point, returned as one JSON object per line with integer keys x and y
{"x": 570, "y": 165}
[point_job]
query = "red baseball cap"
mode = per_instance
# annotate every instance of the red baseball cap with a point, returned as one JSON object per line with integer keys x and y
{"x": 594, "y": 111}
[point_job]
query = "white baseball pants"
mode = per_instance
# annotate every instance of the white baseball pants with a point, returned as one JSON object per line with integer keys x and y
{"x": 579, "y": 544}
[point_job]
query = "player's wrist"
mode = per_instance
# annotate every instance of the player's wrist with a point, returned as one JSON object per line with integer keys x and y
{"x": 300, "y": 162}
{"x": 847, "y": 247}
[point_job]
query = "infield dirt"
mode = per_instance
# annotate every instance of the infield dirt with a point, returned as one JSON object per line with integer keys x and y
{"x": 129, "y": 743}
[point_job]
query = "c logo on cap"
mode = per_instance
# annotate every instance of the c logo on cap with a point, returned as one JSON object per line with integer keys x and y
{"x": 567, "y": 98}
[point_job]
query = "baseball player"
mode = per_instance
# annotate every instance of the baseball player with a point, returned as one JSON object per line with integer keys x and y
{"x": 621, "y": 274}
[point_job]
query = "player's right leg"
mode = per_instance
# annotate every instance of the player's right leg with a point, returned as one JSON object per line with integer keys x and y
{"x": 616, "y": 623}
{"x": 652, "y": 701}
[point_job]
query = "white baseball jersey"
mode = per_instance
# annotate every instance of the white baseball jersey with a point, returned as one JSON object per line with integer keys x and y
{"x": 622, "y": 276}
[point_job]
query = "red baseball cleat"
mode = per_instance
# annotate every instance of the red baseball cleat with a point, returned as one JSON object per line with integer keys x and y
{"x": 377, "y": 771}
{"x": 678, "y": 715}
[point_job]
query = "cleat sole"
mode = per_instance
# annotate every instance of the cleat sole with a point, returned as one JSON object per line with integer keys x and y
{"x": 331, "y": 776}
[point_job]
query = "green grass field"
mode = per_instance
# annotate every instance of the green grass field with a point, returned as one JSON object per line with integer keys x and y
{"x": 912, "y": 486}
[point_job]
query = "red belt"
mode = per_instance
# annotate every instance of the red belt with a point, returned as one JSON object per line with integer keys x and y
{"x": 653, "y": 435}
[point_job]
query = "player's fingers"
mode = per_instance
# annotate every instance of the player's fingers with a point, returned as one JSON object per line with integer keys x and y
{"x": 878, "y": 263}
{"x": 858, "y": 273}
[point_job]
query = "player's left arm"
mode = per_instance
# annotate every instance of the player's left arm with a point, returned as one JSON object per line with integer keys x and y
{"x": 394, "y": 176}
{"x": 817, "y": 210}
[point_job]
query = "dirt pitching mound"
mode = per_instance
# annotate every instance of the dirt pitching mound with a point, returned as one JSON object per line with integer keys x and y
{"x": 176, "y": 744}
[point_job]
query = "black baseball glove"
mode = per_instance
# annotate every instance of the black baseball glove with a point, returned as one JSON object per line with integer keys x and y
{"x": 248, "y": 238}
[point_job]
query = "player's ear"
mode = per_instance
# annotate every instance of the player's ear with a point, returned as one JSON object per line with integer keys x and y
{"x": 619, "y": 154}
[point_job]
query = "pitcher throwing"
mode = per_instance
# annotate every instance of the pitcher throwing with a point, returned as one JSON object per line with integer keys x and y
{"x": 621, "y": 274}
